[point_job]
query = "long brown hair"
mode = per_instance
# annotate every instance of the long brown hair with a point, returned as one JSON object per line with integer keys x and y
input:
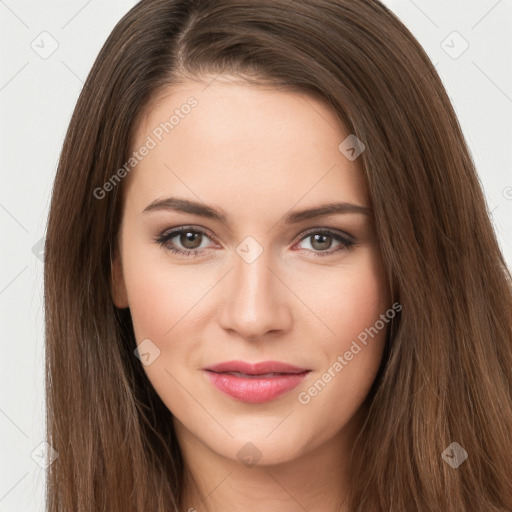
{"x": 446, "y": 375}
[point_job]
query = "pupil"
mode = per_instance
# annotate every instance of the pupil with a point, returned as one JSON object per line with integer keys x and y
{"x": 317, "y": 239}
{"x": 188, "y": 239}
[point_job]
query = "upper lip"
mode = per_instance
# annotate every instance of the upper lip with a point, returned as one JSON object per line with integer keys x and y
{"x": 260, "y": 368}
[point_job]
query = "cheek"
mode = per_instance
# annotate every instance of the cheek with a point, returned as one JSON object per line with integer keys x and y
{"x": 352, "y": 306}
{"x": 162, "y": 301}
{"x": 364, "y": 300}
{"x": 152, "y": 302}
{"x": 351, "y": 298}
{"x": 159, "y": 294}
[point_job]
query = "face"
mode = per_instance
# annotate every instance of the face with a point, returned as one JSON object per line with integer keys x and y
{"x": 237, "y": 270}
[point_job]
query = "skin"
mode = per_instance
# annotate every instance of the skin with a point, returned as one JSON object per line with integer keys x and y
{"x": 256, "y": 154}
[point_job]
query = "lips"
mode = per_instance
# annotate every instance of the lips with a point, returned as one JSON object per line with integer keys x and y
{"x": 255, "y": 382}
{"x": 262, "y": 368}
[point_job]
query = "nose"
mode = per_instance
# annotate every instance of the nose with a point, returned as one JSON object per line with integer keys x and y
{"x": 256, "y": 299}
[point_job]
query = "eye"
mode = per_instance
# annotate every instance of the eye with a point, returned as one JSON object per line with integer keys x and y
{"x": 190, "y": 239}
{"x": 322, "y": 240}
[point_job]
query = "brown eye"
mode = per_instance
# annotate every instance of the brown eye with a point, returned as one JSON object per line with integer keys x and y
{"x": 184, "y": 241}
{"x": 321, "y": 241}
{"x": 189, "y": 239}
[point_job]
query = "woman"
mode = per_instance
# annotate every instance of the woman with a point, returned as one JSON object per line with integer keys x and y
{"x": 271, "y": 281}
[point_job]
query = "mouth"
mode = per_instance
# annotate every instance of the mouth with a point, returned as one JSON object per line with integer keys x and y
{"x": 255, "y": 383}
{"x": 256, "y": 375}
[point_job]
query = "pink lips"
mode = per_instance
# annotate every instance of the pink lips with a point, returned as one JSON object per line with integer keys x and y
{"x": 255, "y": 383}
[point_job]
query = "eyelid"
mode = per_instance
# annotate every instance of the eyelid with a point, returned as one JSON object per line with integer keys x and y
{"x": 331, "y": 231}
{"x": 182, "y": 228}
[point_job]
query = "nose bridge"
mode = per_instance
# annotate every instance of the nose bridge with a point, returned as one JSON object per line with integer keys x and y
{"x": 255, "y": 303}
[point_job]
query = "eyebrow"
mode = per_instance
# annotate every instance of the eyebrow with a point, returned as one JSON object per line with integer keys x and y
{"x": 203, "y": 210}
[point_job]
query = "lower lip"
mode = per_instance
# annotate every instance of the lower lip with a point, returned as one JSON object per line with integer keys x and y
{"x": 255, "y": 389}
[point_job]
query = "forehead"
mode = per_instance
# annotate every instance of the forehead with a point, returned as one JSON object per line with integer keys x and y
{"x": 237, "y": 110}
{"x": 227, "y": 135}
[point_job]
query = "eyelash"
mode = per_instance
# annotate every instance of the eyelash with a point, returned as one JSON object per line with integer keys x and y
{"x": 163, "y": 240}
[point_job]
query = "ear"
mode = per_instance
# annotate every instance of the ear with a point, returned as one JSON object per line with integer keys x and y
{"x": 117, "y": 284}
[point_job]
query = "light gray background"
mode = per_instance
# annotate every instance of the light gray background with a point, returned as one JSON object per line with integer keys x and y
{"x": 37, "y": 96}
